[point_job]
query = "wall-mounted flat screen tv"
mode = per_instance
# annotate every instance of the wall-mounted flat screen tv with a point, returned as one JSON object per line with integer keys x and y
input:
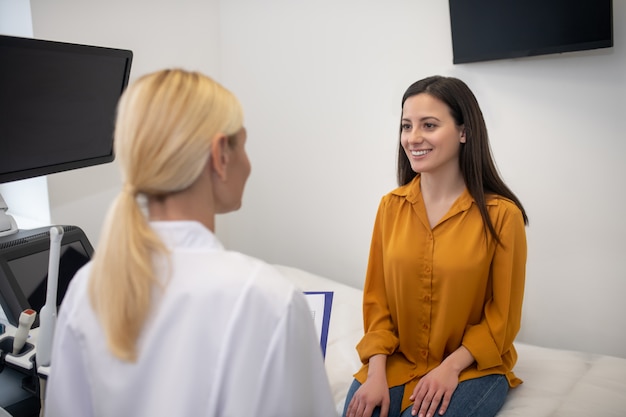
{"x": 484, "y": 30}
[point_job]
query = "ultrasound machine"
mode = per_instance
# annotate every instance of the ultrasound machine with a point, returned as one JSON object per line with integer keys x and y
{"x": 57, "y": 112}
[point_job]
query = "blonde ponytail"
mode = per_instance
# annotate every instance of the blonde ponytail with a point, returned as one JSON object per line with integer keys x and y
{"x": 162, "y": 139}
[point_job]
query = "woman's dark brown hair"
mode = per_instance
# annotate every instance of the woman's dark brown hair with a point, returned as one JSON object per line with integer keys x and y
{"x": 476, "y": 162}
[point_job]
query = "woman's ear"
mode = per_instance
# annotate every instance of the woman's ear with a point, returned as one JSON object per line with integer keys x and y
{"x": 462, "y": 138}
{"x": 219, "y": 155}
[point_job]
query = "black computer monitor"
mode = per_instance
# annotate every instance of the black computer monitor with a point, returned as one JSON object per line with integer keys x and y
{"x": 57, "y": 105}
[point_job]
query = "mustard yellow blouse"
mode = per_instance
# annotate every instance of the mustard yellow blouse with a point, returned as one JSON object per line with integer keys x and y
{"x": 429, "y": 291}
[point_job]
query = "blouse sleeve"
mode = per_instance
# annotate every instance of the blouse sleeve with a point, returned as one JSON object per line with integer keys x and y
{"x": 500, "y": 323}
{"x": 380, "y": 333}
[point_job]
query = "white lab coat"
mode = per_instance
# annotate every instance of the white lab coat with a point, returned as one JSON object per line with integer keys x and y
{"x": 230, "y": 336}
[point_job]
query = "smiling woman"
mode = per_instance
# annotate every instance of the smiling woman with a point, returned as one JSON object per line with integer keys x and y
{"x": 429, "y": 135}
{"x": 443, "y": 292}
{"x": 432, "y": 140}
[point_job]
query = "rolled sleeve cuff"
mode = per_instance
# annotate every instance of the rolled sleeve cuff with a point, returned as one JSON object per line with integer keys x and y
{"x": 481, "y": 345}
{"x": 376, "y": 343}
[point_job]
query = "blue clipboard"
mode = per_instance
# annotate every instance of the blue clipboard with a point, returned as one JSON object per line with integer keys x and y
{"x": 325, "y": 322}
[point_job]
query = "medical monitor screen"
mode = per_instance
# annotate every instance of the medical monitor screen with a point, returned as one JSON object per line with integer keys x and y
{"x": 32, "y": 272}
{"x": 24, "y": 260}
{"x": 57, "y": 105}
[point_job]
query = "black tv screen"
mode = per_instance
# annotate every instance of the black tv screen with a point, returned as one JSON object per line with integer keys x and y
{"x": 484, "y": 30}
{"x": 57, "y": 105}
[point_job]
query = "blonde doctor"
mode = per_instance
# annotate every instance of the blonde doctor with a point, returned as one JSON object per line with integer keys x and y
{"x": 164, "y": 321}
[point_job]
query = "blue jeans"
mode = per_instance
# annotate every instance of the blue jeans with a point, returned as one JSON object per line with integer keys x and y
{"x": 480, "y": 397}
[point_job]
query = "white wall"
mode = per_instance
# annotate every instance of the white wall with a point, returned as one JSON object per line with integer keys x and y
{"x": 15, "y": 18}
{"x": 321, "y": 84}
{"x": 160, "y": 34}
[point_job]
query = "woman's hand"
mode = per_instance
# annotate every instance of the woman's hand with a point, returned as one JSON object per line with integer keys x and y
{"x": 373, "y": 393}
{"x": 434, "y": 388}
{"x": 437, "y": 386}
